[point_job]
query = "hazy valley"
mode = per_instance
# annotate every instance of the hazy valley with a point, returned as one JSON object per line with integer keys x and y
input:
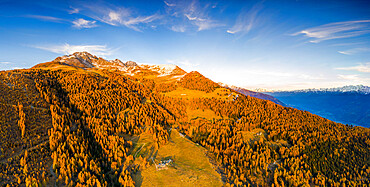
{"x": 348, "y": 105}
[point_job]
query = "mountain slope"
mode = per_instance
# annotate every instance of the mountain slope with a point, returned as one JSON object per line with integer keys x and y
{"x": 68, "y": 124}
{"x": 254, "y": 94}
{"x": 190, "y": 166}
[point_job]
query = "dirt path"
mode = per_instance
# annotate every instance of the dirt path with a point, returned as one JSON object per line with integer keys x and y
{"x": 139, "y": 150}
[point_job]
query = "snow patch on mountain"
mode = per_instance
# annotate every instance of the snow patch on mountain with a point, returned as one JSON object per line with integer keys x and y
{"x": 162, "y": 69}
{"x": 87, "y": 60}
{"x": 178, "y": 77}
{"x": 350, "y": 88}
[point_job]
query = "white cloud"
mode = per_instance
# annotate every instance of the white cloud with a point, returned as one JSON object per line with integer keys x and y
{"x": 270, "y": 73}
{"x": 73, "y": 10}
{"x": 178, "y": 28}
{"x": 354, "y": 79}
{"x": 169, "y": 4}
{"x": 354, "y": 51}
{"x": 82, "y": 23}
{"x": 246, "y": 20}
{"x": 348, "y": 77}
{"x": 46, "y": 18}
{"x": 123, "y": 17}
{"x": 193, "y": 13}
{"x": 337, "y": 30}
{"x": 365, "y": 68}
{"x": 310, "y": 77}
{"x": 208, "y": 24}
{"x": 345, "y": 52}
{"x": 114, "y": 16}
{"x": 184, "y": 64}
{"x": 141, "y": 19}
{"x": 197, "y": 16}
{"x": 193, "y": 18}
{"x": 5, "y": 62}
{"x": 99, "y": 50}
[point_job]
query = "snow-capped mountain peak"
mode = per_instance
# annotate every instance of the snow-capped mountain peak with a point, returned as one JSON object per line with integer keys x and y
{"x": 350, "y": 88}
{"x": 86, "y": 60}
{"x": 164, "y": 69}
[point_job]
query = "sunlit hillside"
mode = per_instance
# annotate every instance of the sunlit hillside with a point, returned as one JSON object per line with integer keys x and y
{"x": 81, "y": 120}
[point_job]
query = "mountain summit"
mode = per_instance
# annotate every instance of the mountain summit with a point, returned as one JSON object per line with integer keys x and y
{"x": 86, "y": 60}
{"x": 349, "y": 88}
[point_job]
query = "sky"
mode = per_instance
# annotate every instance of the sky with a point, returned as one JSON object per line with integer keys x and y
{"x": 271, "y": 44}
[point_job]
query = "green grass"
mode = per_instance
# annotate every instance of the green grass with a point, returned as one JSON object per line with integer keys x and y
{"x": 191, "y": 167}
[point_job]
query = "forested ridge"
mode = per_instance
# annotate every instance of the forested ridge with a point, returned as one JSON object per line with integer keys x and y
{"x": 75, "y": 127}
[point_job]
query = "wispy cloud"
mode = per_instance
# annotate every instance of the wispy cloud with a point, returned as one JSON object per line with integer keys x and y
{"x": 178, "y": 28}
{"x": 123, "y": 17}
{"x": 365, "y": 68}
{"x": 46, "y": 18}
{"x": 73, "y": 10}
{"x": 5, "y": 62}
{"x": 354, "y": 79}
{"x": 194, "y": 13}
{"x": 100, "y": 50}
{"x": 185, "y": 64}
{"x": 310, "y": 77}
{"x": 246, "y": 20}
{"x": 82, "y": 23}
{"x": 202, "y": 23}
{"x": 354, "y": 51}
{"x": 120, "y": 16}
{"x": 133, "y": 22}
{"x": 169, "y": 4}
{"x": 348, "y": 77}
{"x": 78, "y": 23}
{"x": 337, "y": 30}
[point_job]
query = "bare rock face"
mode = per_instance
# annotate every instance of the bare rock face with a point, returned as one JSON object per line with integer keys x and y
{"x": 130, "y": 63}
{"x": 86, "y": 60}
{"x": 78, "y": 59}
{"x": 117, "y": 61}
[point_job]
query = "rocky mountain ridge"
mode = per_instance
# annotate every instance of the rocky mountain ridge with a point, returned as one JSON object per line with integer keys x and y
{"x": 86, "y": 60}
{"x": 348, "y": 88}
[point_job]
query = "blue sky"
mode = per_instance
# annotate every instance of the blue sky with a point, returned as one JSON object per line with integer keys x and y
{"x": 269, "y": 44}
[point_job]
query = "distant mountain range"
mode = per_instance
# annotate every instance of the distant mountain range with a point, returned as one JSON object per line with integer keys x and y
{"x": 347, "y": 104}
{"x": 258, "y": 95}
{"x": 350, "y": 88}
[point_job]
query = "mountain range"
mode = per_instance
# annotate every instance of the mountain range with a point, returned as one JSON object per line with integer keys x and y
{"x": 81, "y": 120}
{"x": 361, "y": 89}
{"x": 347, "y": 104}
{"x": 87, "y": 60}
